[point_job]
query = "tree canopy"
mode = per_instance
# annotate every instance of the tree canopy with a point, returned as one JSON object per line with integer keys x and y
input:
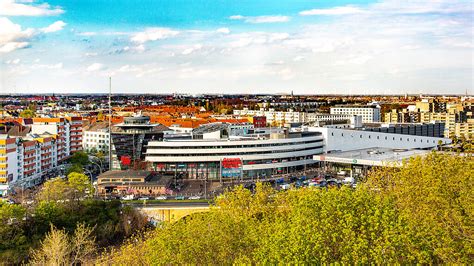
{"x": 419, "y": 213}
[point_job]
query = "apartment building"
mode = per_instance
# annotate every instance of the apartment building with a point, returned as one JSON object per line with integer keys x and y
{"x": 31, "y": 150}
{"x": 369, "y": 113}
{"x": 280, "y": 118}
{"x": 458, "y": 118}
{"x": 8, "y": 162}
{"x": 96, "y": 137}
{"x": 274, "y": 118}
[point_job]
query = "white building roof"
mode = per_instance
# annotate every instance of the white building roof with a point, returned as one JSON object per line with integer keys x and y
{"x": 372, "y": 156}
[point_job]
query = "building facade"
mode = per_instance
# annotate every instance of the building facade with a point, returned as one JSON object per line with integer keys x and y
{"x": 369, "y": 113}
{"x": 258, "y": 157}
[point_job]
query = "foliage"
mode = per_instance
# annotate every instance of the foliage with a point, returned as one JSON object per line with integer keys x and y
{"x": 75, "y": 168}
{"x": 80, "y": 158}
{"x": 58, "y": 248}
{"x": 419, "y": 213}
{"x": 30, "y": 112}
{"x": 434, "y": 195}
{"x": 77, "y": 186}
{"x": 63, "y": 204}
{"x": 13, "y": 242}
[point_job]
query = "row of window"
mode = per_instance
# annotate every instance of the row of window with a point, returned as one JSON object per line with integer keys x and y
{"x": 239, "y": 146}
{"x": 386, "y": 138}
{"x": 234, "y": 153}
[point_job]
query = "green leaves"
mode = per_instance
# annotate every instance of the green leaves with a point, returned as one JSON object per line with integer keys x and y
{"x": 419, "y": 213}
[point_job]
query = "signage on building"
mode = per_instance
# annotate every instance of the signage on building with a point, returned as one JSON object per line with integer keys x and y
{"x": 125, "y": 160}
{"x": 231, "y": 167}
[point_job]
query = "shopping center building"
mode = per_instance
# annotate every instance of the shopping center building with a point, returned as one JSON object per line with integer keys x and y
{"x": 213, "y": 153}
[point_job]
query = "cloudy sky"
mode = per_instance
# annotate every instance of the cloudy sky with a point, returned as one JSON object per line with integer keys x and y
{"x": 229, "y": 46}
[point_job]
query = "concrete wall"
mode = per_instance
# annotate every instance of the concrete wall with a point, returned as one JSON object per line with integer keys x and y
{"x": 346, "y": 139}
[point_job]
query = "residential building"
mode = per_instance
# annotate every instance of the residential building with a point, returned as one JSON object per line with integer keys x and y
{"x": 369, "y": 113}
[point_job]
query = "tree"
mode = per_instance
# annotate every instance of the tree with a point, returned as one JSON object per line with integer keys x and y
{"x": 27, "y": 113}
{"x": 13, "y": 241}
{"x": 433, "y": 195}
{"x": 421, "y": 212}
{"x": 77, "y": 186}
{"x": 54, "y": 190}
{"x": 80, "y": 183}
{"x": 58, "y": 248}
{"x": 75, "y": 168}
{"x": 80, "y": 158}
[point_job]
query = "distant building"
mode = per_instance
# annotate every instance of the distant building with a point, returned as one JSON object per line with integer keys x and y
{"x": 96, "y": 137}
{"x": 137, "y": 183}
{"x": 259, "y": 121}
{"x": 129, "y": 141}
{"x": 369, "y": 113}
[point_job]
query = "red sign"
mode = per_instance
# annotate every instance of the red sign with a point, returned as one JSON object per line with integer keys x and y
{"x": 126, "y": 160}
{"x": 231, "y": 163}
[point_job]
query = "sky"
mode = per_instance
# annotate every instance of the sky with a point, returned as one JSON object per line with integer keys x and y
{"x": 229, "y": 46}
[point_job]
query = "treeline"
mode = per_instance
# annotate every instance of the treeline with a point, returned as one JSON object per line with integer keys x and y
{"x": 65, "y": 206}
{"x": 420, "y": 213}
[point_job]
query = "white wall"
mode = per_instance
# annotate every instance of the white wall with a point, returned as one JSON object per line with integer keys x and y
{"x": 346, "y": 139}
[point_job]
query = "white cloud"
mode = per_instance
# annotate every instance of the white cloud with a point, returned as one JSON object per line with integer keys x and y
{"x": 236, "y": 17}
{"x": 95, "y": 67}
{"x": 256, "y": 38}
{"x": 87, "y": 33}
{"x": 261, "y": 19}
{"x": 13, "y": 61}
{"x": 192, "y": 49}
{"x": 223, "y": 30}
{"x": 46, "y": 66}
{"x": 153, "y": 34}
{"x": 12, "y": 37}
{"x": 298, "y": 58}
{"x": 340, "y": 10}
{"x": 56, "y": 26}
{"x": 12, "y": 8}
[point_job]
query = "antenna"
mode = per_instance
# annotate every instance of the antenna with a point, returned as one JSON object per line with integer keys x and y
{"x": 110, "y": 123}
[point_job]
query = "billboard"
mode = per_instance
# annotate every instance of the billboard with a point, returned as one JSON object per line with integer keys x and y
{"x": 231, "y": 167}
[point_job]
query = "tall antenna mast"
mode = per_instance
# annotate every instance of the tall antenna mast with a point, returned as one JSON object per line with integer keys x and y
{"x": 110, "y": 123}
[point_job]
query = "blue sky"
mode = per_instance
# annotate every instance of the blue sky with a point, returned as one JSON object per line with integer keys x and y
{"x": 197, "y": 46}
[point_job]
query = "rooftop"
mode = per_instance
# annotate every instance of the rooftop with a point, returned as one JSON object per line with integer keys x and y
{"x": 374, "y": 156}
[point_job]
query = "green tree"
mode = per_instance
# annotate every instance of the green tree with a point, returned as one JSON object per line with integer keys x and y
{"x": 59, "y": 248}
{"x": 75, "y": 168}
{"x": 433, "y": 194}
{"x": 27, "y": 113}
{"x": 80, "y": 158}
{"x": 418, "y": 213}
{"x": 80, "y": 183}
{"x": 13, "y": 240}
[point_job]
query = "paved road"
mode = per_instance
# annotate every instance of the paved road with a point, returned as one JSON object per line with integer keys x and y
{"x": 170, "y": 204}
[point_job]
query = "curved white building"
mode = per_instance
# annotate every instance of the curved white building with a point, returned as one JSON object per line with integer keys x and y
{"x": 206, "y": 158}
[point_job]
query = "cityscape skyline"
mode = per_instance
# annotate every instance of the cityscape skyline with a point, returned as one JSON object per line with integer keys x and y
{"x": 329, "y": 47}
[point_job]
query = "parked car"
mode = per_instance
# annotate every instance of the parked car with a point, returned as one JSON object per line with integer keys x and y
{"x": 179, "y": 198}
{"x": 342, "y": 173}
{"x": 194, "y": 198}
{"x": 128, "y": 197}
{"x": 161, "y": 197}
{"x": 143, "y": 198}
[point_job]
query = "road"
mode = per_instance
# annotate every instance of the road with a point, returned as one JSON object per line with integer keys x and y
{"x": 173, "y": 204}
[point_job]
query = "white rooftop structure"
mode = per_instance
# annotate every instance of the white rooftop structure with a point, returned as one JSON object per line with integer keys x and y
{"x": 375, "y": 156}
